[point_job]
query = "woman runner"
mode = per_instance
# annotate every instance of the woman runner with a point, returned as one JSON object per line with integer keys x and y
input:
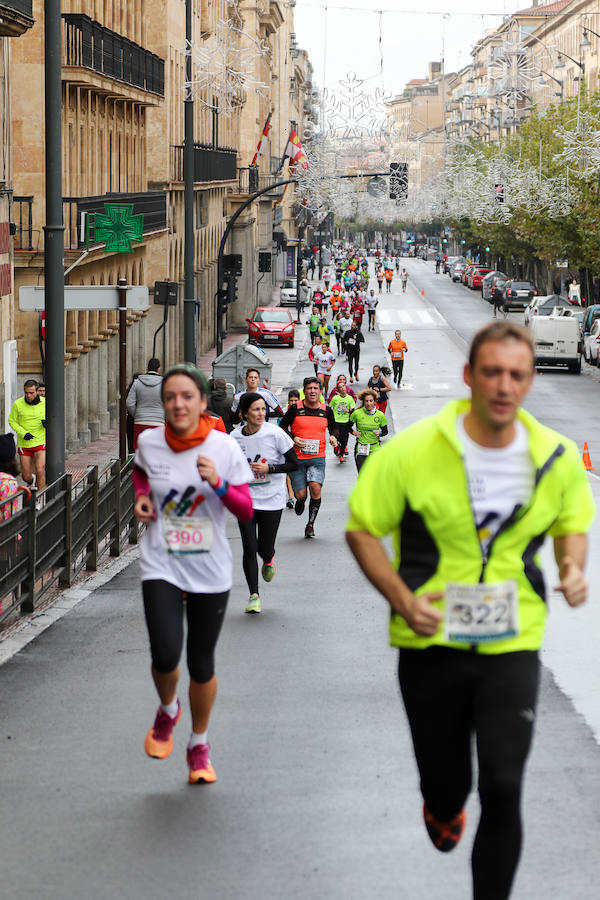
{"x": 379, "y": 383}
{"x": 370, "y": 425}
{"x": 186, "y": 475}
{"x": 271, "y": 455}
{"x": 342, "y": 405}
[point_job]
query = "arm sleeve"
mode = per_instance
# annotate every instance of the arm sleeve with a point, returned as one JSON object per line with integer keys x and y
{"x": 384, "y": 431}
{"x": 141, "y": 485}
{"x": 287, "y": 419}
{"x": 290, "y": 464}
{"x": 238, "y": 501}
{"x": 577, "y": 511}
{"x": 131, "y": 400}
{"x": 13, "y": 421}
{"x": 331, "y": 423}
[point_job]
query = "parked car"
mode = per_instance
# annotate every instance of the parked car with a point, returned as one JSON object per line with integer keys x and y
{"x": 476, "y": 277}
{"x": 271, "y": 325}
{"x": 465, "y": 274}
{"x": 545, "y": 306}
{"x": 518, "y": 294}
{"x": 488, "y": 284}
{"x": 591, "y": 344}
{"x": 457, "y": 269}
{"x": 556, "y": 341}
{"x": 287, "y": 292}
{"x": 590, "y": 315}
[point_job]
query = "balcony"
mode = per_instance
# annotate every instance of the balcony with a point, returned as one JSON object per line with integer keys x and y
{"x": 89, "y": 45}
{"x": 152, "y": 205}
{"x": 16, "y": 16}
{"x": 251, "y": 180}
{"x": 22, "y": 217}
{"x": 210, "y": 163}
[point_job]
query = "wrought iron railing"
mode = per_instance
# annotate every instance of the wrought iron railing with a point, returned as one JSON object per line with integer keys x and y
{"x": 22, "y": 217}
{"x": 48, "y": 539}
{"x": 89, "y": 44}
{"x": 210, "y": 163}
{"x": 152, "y": 204}
{"x": 251, "y": 180}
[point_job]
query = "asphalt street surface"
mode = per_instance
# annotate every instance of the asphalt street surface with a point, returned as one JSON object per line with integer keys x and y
{"x": 317, "y": 793}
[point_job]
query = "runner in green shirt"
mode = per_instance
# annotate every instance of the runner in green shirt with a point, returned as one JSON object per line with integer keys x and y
{"x": 343, "y": 405}
{"x": 370, "y": 425}
{"x": 313, "y": 324}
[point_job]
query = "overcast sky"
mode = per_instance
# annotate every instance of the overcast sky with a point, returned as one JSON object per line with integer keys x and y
{"x": 346, "y": 36}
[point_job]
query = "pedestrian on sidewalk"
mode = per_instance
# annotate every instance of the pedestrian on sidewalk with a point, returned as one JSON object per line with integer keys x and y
{"x": 28, "y": 421}
{"x": 468, "y": 604}
{"x": 144, "y": 401}
{"x": 129, "y": 417}
{"x": 186, "y": 474}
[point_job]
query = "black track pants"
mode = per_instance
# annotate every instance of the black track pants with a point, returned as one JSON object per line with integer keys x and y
{"x": 449, "y": 695}
{"x": 258, "y": 537}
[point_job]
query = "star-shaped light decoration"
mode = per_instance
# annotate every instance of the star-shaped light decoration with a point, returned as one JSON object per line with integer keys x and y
{"x": 118, "y": 227}
{"x": 581, "y": 144}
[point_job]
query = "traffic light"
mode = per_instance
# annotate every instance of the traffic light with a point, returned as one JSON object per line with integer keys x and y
{"x": 232, "y": 293}
{"x": 398, "y": 181}
{"x": 232, "y": 263}
{"x": 499, "y": 193}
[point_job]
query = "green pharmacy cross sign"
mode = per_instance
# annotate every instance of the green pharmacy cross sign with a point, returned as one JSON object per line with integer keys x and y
{"x": 118, "y": 227}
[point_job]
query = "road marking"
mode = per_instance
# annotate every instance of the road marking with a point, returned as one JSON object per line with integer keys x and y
{"x": 439, "y": 386}
{"x": 395, "y": 317}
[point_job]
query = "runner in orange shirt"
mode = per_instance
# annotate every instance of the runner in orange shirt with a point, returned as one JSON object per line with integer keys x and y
{"x": 397, "y": 348}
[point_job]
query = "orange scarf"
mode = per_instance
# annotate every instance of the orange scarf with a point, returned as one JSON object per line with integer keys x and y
{"x": 177, "y": 443}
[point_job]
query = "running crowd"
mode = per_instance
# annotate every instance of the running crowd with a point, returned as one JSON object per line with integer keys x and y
{"x": 467, "y": 603}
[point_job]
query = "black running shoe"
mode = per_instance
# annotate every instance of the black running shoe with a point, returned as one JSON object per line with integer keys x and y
{"x": 445, "y": 835}
{"x": 309, "y": 531}
{"x": 299, "y": 507}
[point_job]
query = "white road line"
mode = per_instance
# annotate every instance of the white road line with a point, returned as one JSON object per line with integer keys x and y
{"x": 439, "y": 386}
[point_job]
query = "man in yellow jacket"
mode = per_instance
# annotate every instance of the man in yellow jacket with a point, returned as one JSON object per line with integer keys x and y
{"x": 28, "y": 420}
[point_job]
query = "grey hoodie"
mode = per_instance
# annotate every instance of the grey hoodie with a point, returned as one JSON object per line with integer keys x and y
{"x": 143, "y": 399}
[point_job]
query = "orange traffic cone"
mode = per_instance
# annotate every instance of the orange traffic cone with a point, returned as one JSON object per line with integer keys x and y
{"x": 422, "y": 292}
{"x": 587, "y": 463}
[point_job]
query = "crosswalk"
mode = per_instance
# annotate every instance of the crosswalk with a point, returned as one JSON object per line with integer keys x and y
{"x": 394, "y": 318}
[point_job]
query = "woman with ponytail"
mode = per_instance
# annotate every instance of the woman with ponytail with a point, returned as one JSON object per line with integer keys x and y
{"x": 186, "y": 475}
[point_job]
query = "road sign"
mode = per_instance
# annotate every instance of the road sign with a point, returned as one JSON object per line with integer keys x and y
{"x": 86, "y": 297}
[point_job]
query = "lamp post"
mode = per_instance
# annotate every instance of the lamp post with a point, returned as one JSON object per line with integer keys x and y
{"x": 54, "y": 279}
{"x": 560, "y": 64}
{"x": 189, "y": 301}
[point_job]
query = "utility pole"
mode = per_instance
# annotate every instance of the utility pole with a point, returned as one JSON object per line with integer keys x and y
{"x": 54, "y": 245}
{"x": 189, "y": 300}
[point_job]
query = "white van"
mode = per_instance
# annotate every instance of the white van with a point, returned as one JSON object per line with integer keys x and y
{"x": 556, "y": 341}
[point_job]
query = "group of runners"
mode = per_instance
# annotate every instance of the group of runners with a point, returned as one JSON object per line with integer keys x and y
{"x": 466, "y": 594}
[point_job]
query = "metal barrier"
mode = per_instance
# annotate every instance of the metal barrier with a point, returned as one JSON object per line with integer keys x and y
{"x": 48, "y": 538}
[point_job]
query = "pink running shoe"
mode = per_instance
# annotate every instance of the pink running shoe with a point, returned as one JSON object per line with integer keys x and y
{"x": 201, "y": 770}
{"x": 159, "y": 740}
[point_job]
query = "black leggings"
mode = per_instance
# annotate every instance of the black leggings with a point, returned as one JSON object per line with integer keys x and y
{"x": 163, "y": 606}
{"x": 258, "y": 537}
{"x": 353, "y": 359}
{"x": 397, "y": 365}
{"x": 343, "y": 434}
{"x": 449, "y": 695}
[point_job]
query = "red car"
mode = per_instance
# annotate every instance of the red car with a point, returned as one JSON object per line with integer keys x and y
{"x": 476, "y": 276}
{"x": 271, "y": 325}
{"x": 465, "y": 274}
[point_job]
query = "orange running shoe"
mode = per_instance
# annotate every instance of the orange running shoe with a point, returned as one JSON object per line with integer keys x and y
{"x": 445, "y": 835}
{"x": 159, "y": 740}
{"x": 201, "y": 770}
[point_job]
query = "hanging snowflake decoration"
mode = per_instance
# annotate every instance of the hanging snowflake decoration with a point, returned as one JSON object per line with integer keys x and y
{"x": 513, "y": 71}
{"x": 223, "y": 67}
{"x": 350, "y": 111}
{"x": 581, "y": 144}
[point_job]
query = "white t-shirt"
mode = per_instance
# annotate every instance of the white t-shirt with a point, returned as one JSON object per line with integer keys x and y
{"x": 270, "y": 444}
{"x": 189, "y": 513}
{"x": 269, "y": 398}
{"x": 323, "y": 359}
{"x": 499, "y": 479}
{"x": 371, "y": 301}
{"x": 345, "y": 324}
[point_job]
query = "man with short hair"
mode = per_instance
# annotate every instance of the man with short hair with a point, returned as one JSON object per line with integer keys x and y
{"x": 307, "y": 422}
{"x": 41, "y": 389}
{"x": 274, "y": 410}
{"x": 144, "y": 401}
{"x": 397, "y": 348}
{"x": 470, "y": 495}
{"x": 28, "y": 420}
{"x": 371, "y": 302}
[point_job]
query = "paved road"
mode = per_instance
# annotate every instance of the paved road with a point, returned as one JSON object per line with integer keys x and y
{"x": 317, "y": 794}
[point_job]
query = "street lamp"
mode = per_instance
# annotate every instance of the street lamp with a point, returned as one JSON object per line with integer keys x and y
{"x": 557, "y": 80}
